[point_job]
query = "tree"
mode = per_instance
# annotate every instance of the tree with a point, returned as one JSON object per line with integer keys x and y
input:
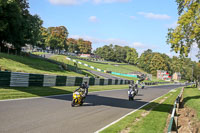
{"x": 72, "y": 45}
{"x": 119, "y": 53}
{"x": 157, "y": 63}
{"x": 132, "y": 56}
{"x": 145, "y": 60}
{"x": 197, "y": 73}
{"x": 187, "y": 33}
{"x": 84, "y": 47}
{"x": 11, "y": 23}
{"x": 34, "y": 29}
{"x": 175, "y": 65}
{"x": 57, "y": 37}
{"x": 43, "y": 38}
{"x": 106, "y": 52}
{"x": 17, "y": 26}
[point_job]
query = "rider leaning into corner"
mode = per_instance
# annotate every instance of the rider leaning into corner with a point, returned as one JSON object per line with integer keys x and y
{"x": 84, "y": 88}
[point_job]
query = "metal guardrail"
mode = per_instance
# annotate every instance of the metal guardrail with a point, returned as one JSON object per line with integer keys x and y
{"x": 173, "y": 124}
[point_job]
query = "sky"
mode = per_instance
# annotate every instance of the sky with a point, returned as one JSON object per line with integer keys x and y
{"x": 140, "y": 24}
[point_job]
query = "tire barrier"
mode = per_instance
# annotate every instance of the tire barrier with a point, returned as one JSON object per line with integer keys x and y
{"x": 173, "y": 124}
{"x": 19, "y": 79}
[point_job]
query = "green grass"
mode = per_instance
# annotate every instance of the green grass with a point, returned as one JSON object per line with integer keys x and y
{"x": 62, "y": 59}
{"x": 16, "y": 63}
{"x": 192, "y": 99}
{"x": 25, "y": 92}
{"x": 154, "y": 122}
{"x": 120, "y": 68}
{"x": 108, "y": 62}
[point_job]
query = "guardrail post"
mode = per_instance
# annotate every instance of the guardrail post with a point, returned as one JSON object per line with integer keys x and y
{"x": 173, "y": 125}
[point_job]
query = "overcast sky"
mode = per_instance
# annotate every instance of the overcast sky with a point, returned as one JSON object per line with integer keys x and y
{"x": 140, "y": 24}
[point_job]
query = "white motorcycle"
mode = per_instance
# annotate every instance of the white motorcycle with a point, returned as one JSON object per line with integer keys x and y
{"x": 132, "y": 92}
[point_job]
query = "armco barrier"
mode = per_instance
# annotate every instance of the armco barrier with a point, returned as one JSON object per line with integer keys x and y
{"x": 173, "y": 124}
{"x": 27, "y": 79}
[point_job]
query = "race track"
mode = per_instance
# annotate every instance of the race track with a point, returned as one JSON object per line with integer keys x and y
{"x": 55, "y": 114}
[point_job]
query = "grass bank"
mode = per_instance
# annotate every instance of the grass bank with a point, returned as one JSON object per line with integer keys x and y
{"x": 110, "y": 67}
{"x": 25, "y": 64}
{"x": 25, "y": 92}
{"x": 118, "y": 67}
{"x": 62, "y": 59}
{"x": 192, "y": 99}
{"x": 149, "y": 119}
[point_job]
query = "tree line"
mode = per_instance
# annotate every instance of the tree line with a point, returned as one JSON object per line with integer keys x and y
{"x": 151, "y": 61}
{"x": 118, "y": 53}
{"x": 18, "y": 27}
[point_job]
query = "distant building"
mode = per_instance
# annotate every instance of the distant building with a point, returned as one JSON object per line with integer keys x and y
{"x": 163, "y": 75}
{"x": 176, "y": 76}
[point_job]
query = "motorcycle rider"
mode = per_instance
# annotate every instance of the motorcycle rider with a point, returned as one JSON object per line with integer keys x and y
{"x": 131, "y": 86}
{"x": 84, "y": 88}
{"x": 132, "y": 90}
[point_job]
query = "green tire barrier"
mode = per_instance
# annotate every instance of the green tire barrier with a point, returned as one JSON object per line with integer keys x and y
{"x": 27, "y": 79}
{"x": 5, "y": 78}
{"x": 126, "y": 75}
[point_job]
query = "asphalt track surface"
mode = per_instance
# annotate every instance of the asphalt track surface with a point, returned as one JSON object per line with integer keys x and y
{"x": 55, "y": 114}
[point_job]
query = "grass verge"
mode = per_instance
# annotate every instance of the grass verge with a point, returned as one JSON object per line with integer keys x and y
{"x": 192, "y": 99}
{"x": 115, "y": 68}
{"x": 25, "y": 92}
{"x": 16, "y": 63}
{"x": 149, "y": 119}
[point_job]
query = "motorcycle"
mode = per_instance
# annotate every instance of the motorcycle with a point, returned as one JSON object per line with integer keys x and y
{"x": 132, "y": 92}
{"x": 77, "y": 98}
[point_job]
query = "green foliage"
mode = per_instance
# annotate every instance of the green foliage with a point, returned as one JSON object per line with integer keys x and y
{"x": 57, "y": 37}
{"x": 79, "y": 46}
{"x": 118, "y": 53}
{"x": 106, "y": 52}
{"x": 17, "y": 26}
{"x": 72, "y": 45}
{"x": 145, "y": 60}
{"x": 132, "y": 56}
{"x": 84, "y": 46}
{"x": 151, "y": 62}
{"x": 187, "y": 33}
{"x": 157, "y": 63}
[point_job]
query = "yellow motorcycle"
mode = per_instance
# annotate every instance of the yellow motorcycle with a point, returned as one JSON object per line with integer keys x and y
{"x": 77, "y": 98}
